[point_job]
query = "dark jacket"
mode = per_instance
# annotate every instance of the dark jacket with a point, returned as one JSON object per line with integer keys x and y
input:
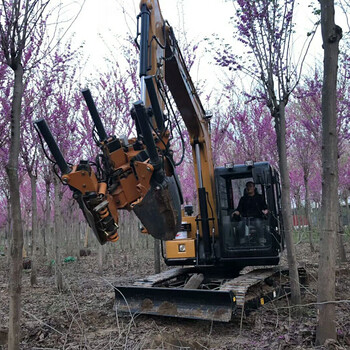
{"x": 252, "y": 206}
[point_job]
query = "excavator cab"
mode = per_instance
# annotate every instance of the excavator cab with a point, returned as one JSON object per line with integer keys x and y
{"x": 249, "y": 240}
{"x": 238, "y": 241}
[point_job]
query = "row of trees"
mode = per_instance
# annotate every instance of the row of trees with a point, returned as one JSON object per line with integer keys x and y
{"x": 279, "y": 121}
{"x": 242, "y": 131}
{"x": 266, "y": 29}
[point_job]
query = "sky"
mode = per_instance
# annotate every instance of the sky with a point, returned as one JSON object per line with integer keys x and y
{"x": 100, "y": 23}
{"x": 97, "y": 26}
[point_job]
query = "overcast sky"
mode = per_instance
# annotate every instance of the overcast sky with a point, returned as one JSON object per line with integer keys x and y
{"x": 97, "y": 25}
{"x": 99, "y": 22}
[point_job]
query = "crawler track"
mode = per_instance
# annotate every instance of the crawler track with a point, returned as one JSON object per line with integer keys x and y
{"x": 216, "y": 299}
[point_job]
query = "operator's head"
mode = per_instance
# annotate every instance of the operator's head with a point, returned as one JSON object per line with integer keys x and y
{"x": 250, "y": 186}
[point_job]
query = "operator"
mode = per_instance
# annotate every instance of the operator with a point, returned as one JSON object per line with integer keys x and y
{"x": 252, "y": 205}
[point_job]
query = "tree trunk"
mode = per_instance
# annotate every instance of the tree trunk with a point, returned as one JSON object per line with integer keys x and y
{"x": 340, "y": 242}
{"x": 35, "y": 236}
{"x": 9, "y": 230}
{"x": 347, "y": 209}
{"x": 26, "y": 240}
{"x": 307, "y": 212}
{"x": 340, "y": 234}
{"x": 46, "y": 232}
{"x": 77, "y": 244}
{"x": 331, "y": 34}
{"x": 57, "y": 238}
{"x": 157, "y": 243}
{"x": 86, "y": 237}
{"x": 15, "y": 280}
{"x": 133, "y": 231}
{"x": 100, "y": 259}
{"x": 286, "y": 206}
{"x": 318, "y": 217}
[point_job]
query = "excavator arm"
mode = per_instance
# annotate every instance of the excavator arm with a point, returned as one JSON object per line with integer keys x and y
{"x": 139, "y": 174}
{"x": 161, "y": 62}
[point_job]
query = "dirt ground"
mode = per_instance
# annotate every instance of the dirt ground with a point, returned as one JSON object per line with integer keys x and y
{"x": 83, "y": 316}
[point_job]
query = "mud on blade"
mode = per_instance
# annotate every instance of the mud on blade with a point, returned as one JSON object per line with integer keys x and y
{"x": 174, "y": 302}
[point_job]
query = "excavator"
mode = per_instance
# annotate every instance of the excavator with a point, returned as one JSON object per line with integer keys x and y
{"x": 206, "y": 251}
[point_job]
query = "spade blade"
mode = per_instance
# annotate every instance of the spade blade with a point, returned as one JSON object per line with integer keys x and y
{"x": 160, "y": 210}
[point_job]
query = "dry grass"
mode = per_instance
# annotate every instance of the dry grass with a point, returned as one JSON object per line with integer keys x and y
{"x": 83, "y": 316}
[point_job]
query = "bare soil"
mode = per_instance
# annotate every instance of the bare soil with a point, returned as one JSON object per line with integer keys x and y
{"x": 83, "y": 317}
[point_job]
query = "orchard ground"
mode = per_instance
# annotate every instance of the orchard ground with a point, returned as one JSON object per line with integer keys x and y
{"x": 83, "y": 317}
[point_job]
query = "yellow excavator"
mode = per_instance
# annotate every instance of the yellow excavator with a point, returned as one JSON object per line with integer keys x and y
{"x": 209, "y": 248}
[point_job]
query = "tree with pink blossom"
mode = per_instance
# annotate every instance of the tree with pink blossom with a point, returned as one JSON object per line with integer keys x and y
{"x": 19, "y": 23}
{"x": 265, "y": 28}
{"x": 22, "y": 28}
{"x": 307, "y": 130}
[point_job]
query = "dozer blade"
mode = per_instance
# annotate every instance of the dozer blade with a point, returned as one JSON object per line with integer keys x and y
{"x": 160, "y": 210}
{"x": 174, "y": 302}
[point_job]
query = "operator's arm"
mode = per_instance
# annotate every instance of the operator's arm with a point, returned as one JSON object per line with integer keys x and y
{"x": 263, "y": 205}
{"x": 239, "y": 209}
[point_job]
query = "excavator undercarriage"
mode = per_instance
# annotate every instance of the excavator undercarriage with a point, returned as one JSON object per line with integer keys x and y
{"x": 203, "y": 293}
